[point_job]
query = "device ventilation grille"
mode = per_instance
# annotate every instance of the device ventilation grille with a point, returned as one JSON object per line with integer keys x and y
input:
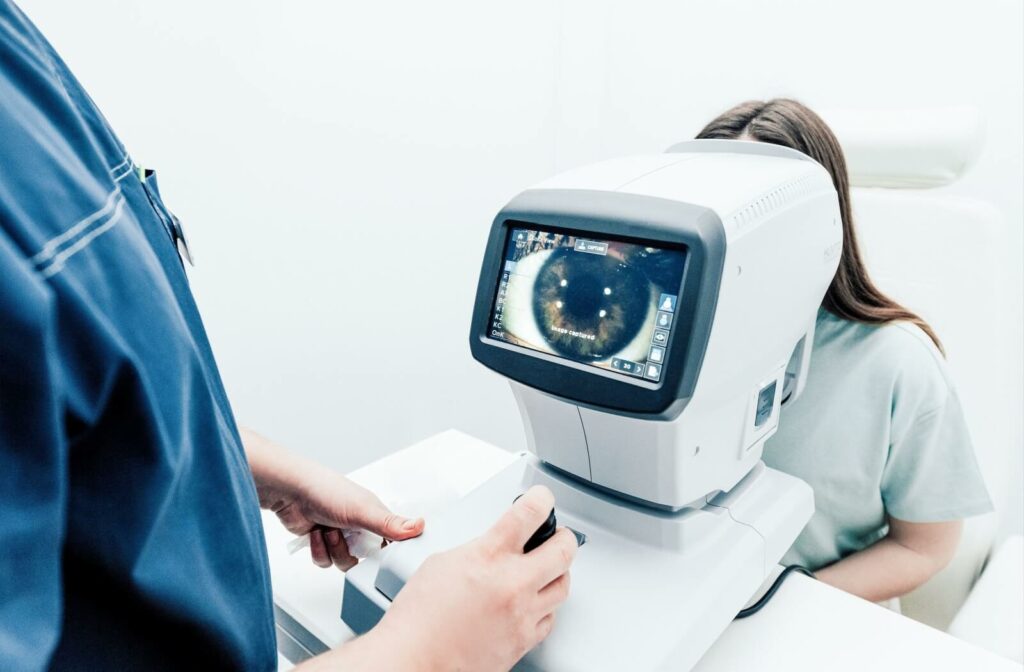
{"x": 772, "y": 201}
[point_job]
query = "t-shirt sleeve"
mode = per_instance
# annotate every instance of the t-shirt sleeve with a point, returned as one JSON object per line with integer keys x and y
{"x": 32, "y": 467}
{"x": 931, "y": 474}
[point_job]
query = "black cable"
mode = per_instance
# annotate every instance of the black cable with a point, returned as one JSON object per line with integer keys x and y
{"x": 763, "y": 600}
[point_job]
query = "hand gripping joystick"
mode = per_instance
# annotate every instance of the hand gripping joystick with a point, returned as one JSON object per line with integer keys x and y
{"x": 543, "y": 533}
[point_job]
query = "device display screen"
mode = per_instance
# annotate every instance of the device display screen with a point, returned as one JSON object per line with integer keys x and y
{"x": 606, "y": 303}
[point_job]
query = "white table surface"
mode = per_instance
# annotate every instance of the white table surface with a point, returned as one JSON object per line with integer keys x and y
{"x": 806, "y": 626}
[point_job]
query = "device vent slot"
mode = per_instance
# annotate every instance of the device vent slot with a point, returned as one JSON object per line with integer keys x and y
{"x": 773, "y": 200}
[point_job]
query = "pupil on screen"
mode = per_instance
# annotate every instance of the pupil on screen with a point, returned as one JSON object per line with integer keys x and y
{"x": 589, "y": 306}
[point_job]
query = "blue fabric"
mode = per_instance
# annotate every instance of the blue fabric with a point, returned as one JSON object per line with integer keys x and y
{"x": 130, "y": 535}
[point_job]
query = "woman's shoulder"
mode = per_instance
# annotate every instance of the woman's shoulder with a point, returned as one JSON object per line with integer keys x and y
{"x": 899, "y": 353}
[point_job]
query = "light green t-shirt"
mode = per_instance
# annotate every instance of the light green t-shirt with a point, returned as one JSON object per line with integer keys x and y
{"x": 878, "y": 430}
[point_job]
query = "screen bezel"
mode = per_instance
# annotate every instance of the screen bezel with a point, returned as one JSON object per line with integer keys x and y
{"x": 511, "y": 225}
{"x": 629, "y": 218}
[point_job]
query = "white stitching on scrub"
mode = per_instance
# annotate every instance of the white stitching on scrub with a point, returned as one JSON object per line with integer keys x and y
{"x": 51, "y": 258}
{"x": 52, "y": 245}
{"x": 126, "y": 159}
{"x": 58, "y": 261}
{"x": 128, "y": 171}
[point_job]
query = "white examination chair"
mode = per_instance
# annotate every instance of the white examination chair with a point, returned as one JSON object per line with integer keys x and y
{"x": 944, "y": 257}
{"x": 993, "y": 615}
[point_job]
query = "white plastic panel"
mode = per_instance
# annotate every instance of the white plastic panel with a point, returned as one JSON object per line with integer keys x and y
{"x": 554, "y": 430}
{"x": 611, "y": 174}
{"x": 724, "y": 182}
{"x": 777, "y": 505}
{"x": 667, "y": 585}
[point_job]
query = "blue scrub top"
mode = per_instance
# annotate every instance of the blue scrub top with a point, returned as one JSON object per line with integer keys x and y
{"x": 130, "y": 535}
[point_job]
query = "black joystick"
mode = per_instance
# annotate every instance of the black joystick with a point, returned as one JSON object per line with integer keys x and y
{"x": 543, "y": 533}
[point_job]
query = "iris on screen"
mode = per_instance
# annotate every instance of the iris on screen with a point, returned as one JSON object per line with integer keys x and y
{"x": 589, "y": 306}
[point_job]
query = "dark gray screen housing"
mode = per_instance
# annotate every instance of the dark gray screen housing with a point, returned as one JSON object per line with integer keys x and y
{"x": 629, "y": 218}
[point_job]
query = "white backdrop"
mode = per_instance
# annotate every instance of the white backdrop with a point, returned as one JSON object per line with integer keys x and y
{"x": 337, "y": 165}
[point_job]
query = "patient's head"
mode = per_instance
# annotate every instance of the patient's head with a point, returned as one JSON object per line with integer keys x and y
{"x": 782, "y": 121}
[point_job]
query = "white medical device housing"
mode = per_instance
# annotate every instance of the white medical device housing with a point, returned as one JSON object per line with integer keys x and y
{"x": 652, "y": 314}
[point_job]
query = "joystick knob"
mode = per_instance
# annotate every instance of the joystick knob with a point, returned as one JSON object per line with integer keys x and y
{"x": 543, "y": 533}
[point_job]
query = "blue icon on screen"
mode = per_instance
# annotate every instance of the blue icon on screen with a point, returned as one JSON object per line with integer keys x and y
{"x": 667, "y": 302}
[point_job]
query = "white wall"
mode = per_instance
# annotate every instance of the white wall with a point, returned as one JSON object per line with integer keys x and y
{"x": 337, "y": 164}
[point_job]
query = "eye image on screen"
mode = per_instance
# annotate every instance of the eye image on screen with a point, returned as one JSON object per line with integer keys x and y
{"x": 606, "y": 303}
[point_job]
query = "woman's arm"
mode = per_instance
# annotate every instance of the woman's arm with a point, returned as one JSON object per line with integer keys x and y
{"x": 909, "y": 555}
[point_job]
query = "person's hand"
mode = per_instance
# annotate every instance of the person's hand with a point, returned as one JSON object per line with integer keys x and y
{"x": 483, "y": 605}
{"x": 324, "y": 503}
{"x": 308, "y": 497}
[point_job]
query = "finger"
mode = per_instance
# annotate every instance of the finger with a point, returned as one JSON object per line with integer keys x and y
{"x": 371, "y": 515}
{"x": 553, "y": 594}
{"x": 318, "y": 549}
{"x": 552, "y": 558}
{"x": 337, "y": 549}
{"x": 519, "y": 523}
{"x": 544, "y": 627}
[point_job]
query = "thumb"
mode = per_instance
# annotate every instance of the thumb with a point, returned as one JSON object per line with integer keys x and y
{"x": 374, "y": 517}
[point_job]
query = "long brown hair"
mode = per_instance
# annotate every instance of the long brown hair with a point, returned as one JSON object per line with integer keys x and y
{"x": 781, "y": 121}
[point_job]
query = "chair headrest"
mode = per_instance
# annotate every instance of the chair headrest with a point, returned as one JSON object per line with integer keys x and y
{"x": 907, "y": 148}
